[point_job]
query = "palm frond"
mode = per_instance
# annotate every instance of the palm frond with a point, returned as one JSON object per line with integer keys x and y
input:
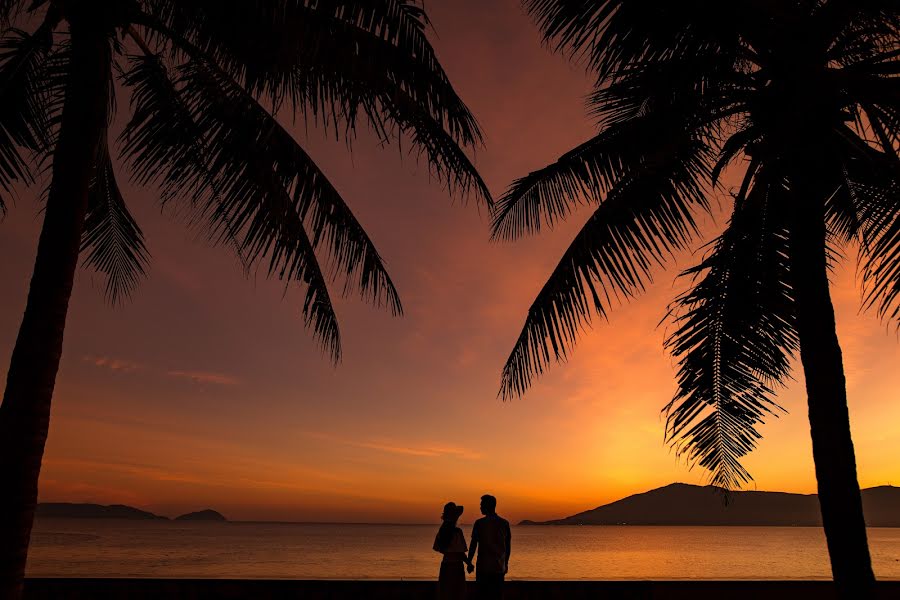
{"x": 584, "y": 174}
{"x": 875, "y": 186}
{"x": 548, "y": 195}
{"x": 886, "y": 125}
{"x": 734, "y": 338}
{"x": 273, "y": 228}
{"x": 860, "y": 30}
{"x": 55, "y": 77}
{"x": 11, "y": 8}
{"x": 698, "y": 89}
{"x": 281, "y": 42}
{"x": 881, "y": 272}
{"x": 162, "y": 142}
{"x": 339, "y": 60}
{"x": 112, "y": 240}
{"x": 256, "y": 138}
{"x": 646, "y": 217}
{"x": 23, "y": 111}
{"x": 400, "y": 115}
{"x": 857, "y": 206}
{"x": 612, "y": 33}
{"x": 640, "y": 112}
{"x": 243, "y": 174}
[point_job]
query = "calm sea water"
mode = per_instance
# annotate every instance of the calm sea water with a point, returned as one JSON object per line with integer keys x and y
{"x": 100, "y": 548}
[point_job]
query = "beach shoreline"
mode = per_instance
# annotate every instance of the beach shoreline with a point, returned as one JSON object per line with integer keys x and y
{"x": 318, "y": 589}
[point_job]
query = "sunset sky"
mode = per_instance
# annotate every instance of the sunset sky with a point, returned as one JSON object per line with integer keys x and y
{"x": 206, "y": 391}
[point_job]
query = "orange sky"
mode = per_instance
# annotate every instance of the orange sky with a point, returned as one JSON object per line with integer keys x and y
{"x": 206, "y": 391}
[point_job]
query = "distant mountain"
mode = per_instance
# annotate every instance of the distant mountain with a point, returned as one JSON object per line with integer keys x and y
{"x": 202, "y": 515}
{"x": 69, "y": 510}
{"x": 683, "y": 504}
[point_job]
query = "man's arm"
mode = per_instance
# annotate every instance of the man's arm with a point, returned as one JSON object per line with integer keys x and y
{"x": 473, "y": 545}
{"x": 508, "y": 545}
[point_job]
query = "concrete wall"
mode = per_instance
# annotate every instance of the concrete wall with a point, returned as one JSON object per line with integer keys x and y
{"x": 219, "y": 589}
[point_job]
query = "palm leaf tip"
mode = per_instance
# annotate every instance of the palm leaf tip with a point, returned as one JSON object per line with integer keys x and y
{"x": 367, "y": 276}
{"x": 319, "y": 317}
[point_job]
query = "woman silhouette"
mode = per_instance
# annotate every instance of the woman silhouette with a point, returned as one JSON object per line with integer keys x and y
{"x": 451, "y": 542}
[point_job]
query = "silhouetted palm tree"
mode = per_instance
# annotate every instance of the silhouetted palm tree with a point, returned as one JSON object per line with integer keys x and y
{"x": 205, "y": 79}
{"x": 803, "y": 97}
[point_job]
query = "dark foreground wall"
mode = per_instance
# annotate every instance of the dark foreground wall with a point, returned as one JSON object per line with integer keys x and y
{"x": 219, "y": 589}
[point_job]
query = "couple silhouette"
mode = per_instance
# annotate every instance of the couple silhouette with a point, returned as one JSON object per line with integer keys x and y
{"x": 491, "y": 540}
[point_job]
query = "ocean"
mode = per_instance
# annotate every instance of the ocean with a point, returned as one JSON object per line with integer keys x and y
{"x": 166, "y": 549}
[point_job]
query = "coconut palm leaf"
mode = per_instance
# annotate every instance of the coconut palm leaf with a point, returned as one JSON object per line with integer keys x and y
{"x": 860, "y": 29}
{"x": 881, "y": 264}
{"x": 710, "y": 83}
{"x": 646, "y": 216}
{"x": 878, "y": 183}
{"x": 352, "y": 63}
{"x": 734, "y": 338}
{"x": 544, "y": 197}
{"x": 52, "y": 89}
{"x": 162, "y": 143}
{"x": 550, "y": 194}
{"x": 112, "y": 241}
{"x": 636, "y": 126}
{"x": 335, "y": 60}
{"x": 276, "y": 230}
{"x": 293, "y": 40}
{"x": 869, "y": 199}
{"x": 612, "y": 33}
{"x": 163, "y": 146}
{"x": 239, "y": 142}
{"x": 178, "y": 136}
{"x": 23, "y": 114}
{"x": 10, "y": 8}
{"x": 257, "y": 146}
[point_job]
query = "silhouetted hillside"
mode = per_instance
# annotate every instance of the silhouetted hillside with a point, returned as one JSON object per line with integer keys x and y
{"x": 683, "y": 504}
{"x": 69, "y": 510}
{"x": 202, "y": 515}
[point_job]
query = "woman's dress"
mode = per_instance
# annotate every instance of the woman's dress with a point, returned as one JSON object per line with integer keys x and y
{"x": 452, "y": 578}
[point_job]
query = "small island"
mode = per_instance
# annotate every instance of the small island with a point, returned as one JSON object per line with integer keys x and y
{"x": 203, "y": 515}
{"x": 71, "y": 510}
{"x": 683, "y": 504}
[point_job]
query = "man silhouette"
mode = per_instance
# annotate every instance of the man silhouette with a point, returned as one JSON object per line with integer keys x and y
{"x": 492, "y": 539}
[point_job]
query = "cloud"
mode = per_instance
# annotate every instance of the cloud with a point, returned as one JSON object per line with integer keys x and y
{"x": 60, "y": 490}
{"x": 120, "y": 365}
{"x": 206, "y": 377}
{"x": 114, "y": 364}
{"x": 430, "y": 451}
{"x": 434, "y": 450}
{"x": 138, "y": 471}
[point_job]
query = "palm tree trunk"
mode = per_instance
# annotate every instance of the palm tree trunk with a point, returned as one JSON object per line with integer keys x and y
{"x": 829, "y": 420}
{"x": 25, "y": 412}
